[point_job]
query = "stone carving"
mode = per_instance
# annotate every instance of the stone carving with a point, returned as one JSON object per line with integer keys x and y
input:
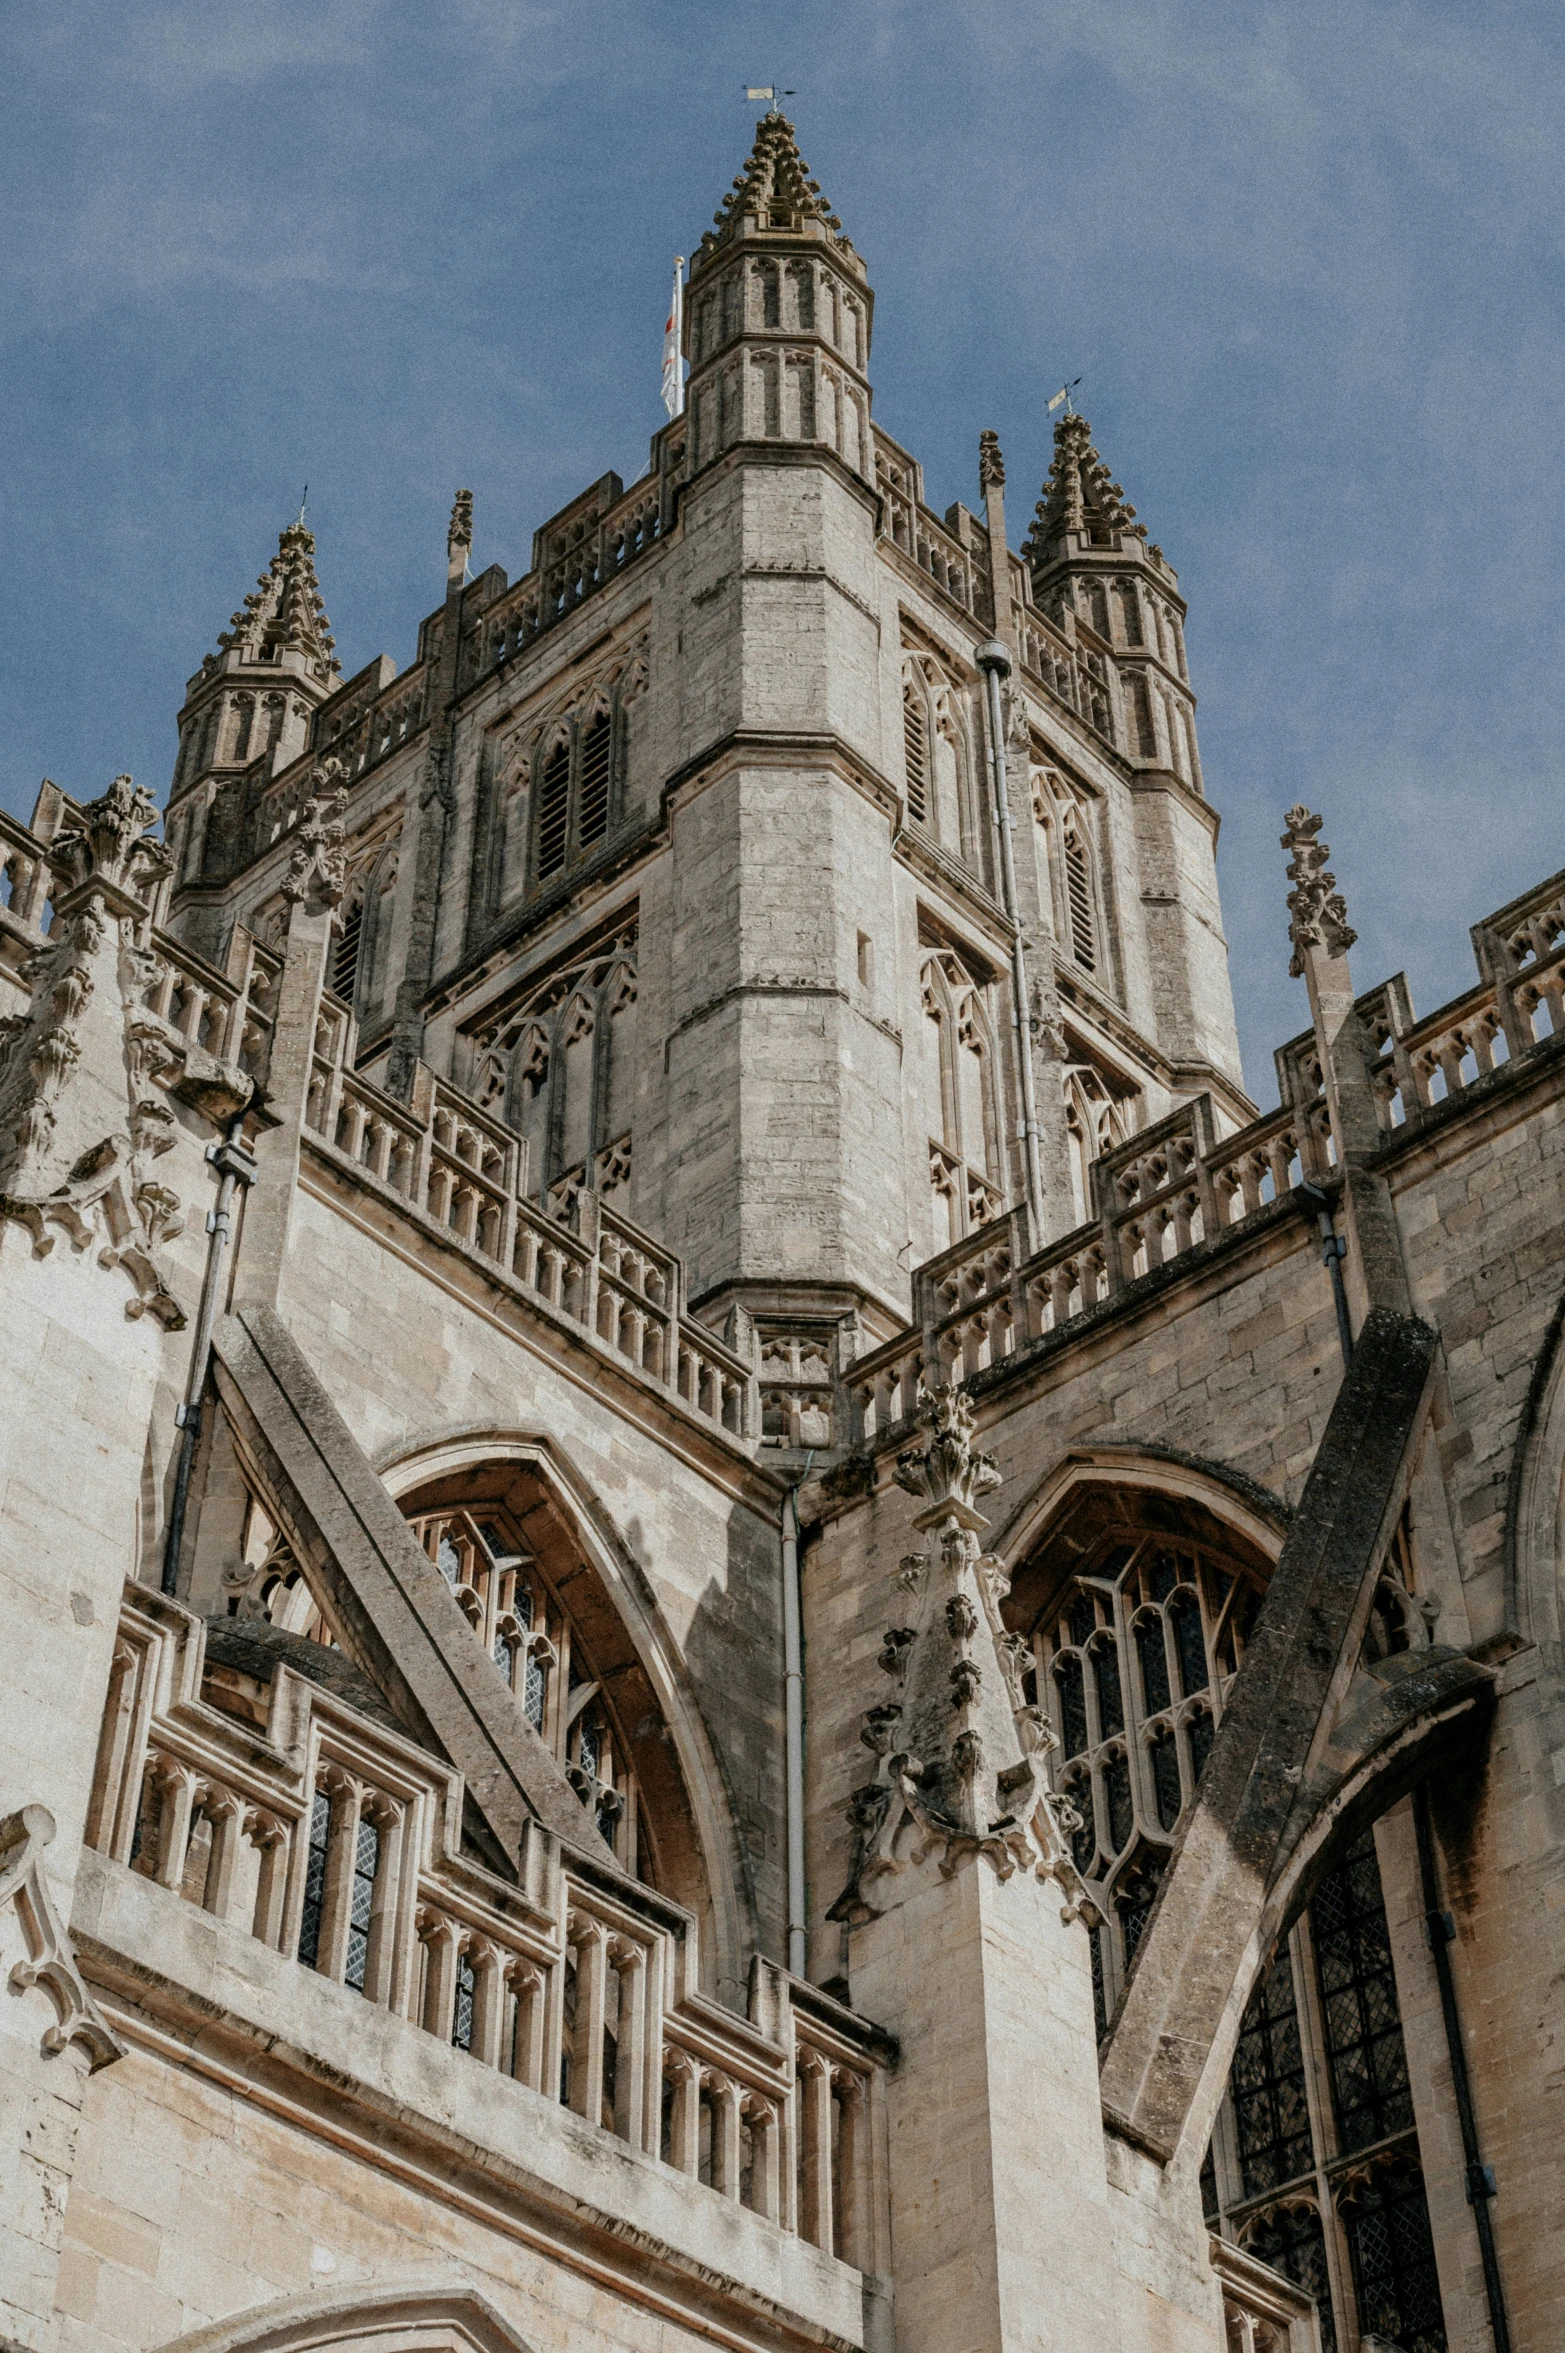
{"x": 960, "y": 1752}
{"x": 775, "y": 179}
{"x": 1318, "y": 915}
{"x": 285, "y": 613}
{"x": 460, "y": 535}
{"x": 318, "y": 868}
{"x": 51, "y": 1964}
{"x": 81, "y": 1116}
{"x": 991, "y": 465}
{"x": 1079, "y": 494}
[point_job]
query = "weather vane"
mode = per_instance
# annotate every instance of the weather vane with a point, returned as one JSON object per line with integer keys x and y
{"x": 769, "y": 90}
{"x": 303, "y": 502}
{"x": 1064, "y": 393}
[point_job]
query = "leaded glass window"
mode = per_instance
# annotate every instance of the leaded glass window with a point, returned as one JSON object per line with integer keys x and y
{"x": 1105, "y": 1676}
{"x": 507, "y": 1559}
{"x": 366, "y": 1864}
{"x": 1167, "y": 1794}
{"x": 1359, "y": 2002}
{"x": 1292, "y": 2241}
{"x": 1133, "y": 1654}
{"x": 1320, "y": 2076}
{"x": 1393, "y": 2252}
{"x": 462, "y": 2009}
{"x": 1271, "y": 2110}
{"x": 315, "y": 1879}
{"x": 1155, "y": 1693}
{"x": 1073, "y": 1706}
{"x": 536, "y": 1691}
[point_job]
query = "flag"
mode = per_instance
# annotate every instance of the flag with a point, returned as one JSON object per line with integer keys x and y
{"x": 1055, "y": 402}
{"x": 768, "y": 92}
{"x": 673, "y": 364}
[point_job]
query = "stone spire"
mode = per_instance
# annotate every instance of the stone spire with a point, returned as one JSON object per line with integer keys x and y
{"x": 774, "y": 191}
{"x": 1080, "y": 496}
{"x": 286, "y": 613}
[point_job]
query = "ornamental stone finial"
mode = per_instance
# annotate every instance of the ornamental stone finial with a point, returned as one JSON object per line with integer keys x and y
{"x": 991, "y": 465}
{"x": 317, "y": 869}
{"x": 460, "y": 535}
{"x": 1318, "y": 915}
{"x": 959, "y": 1746}
{"x": 108, "y": 845}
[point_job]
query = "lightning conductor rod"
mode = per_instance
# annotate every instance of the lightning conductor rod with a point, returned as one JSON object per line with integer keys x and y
{"x": 793, "y": 1703}
{"x": 995, "y": 663}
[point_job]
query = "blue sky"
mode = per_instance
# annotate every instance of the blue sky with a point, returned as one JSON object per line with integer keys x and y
{"x": 1307, "y": 257}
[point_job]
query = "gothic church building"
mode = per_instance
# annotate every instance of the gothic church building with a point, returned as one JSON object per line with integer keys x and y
{"x": 734, "y": 1618}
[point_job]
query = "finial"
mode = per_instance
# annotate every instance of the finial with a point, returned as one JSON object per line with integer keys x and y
{"x": 459, "y": 538}
{"x": 1318, "y": 915}
{"x": 991, "y": 465}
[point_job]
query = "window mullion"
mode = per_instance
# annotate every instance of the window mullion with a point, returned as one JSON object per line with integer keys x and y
{"x": 1323, "y": 2126}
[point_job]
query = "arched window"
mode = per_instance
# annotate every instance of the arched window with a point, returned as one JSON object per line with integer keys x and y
{"x": 350, "y": 936}
{"x": 522, "y": 1572}
{"x": 1130, "y": 612}
{"x": 949, "y": 779}
{"x": 554, "y": 803}
{"x": 1138, "y": 705}
{"x": 1101, "y": 1111}
{"x": 960, "y": 1090}
{"x": 567, "y": 1059}
{"x": 1137, "y": 1608}
{"x": 596, "y": 768}
{"x": 915, "y": 748}
{"x": 1314, "y": 2163}
{"x": 1080, "y": 898}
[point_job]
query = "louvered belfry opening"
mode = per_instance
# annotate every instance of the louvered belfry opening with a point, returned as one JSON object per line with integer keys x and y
{"x": 1078, "y": 891}
{"x": 915, "y": 744}
{"x": 597, "y": 747}
{"x": 554, "y": 806}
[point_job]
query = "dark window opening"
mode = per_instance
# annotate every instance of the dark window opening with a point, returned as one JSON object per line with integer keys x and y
{"x": 596, "y": 765}
{"x": 315, "y": 1879}
{"x": 554, "y": 792}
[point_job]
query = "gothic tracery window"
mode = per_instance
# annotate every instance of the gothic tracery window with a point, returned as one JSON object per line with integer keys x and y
{"x": 1133, "y": 1656}
{"x": 572, "y": 779}
{"x": 559, "y": 1064}
{"x": 1314, "y": 2164}
{"x": 961, "y": 1097}
{"x": 941, "y": 765}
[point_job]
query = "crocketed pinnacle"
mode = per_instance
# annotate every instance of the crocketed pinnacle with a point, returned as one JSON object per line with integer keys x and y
{"x": 285, "y": 612}
{"x": 1079, "y": 494}
{"x": 775, "y": 186}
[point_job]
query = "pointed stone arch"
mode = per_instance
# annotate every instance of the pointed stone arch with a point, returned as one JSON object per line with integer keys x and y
{"x": 412, "y": 2317}
{"x": 698, "y": 1856}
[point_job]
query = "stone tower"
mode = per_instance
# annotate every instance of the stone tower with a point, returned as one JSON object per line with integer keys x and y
{"x": 732, "y": 1616}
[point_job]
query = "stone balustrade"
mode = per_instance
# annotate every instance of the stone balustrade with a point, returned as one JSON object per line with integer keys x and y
{"x": 251, "y": 1790}
{"x": 909, "y": 525}
{"x": 587, "y": 1267}
{"x": 1178, "y": 1185}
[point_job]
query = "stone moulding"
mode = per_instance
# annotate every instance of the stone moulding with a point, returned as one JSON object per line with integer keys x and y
{"x": 50, "y": 1967}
